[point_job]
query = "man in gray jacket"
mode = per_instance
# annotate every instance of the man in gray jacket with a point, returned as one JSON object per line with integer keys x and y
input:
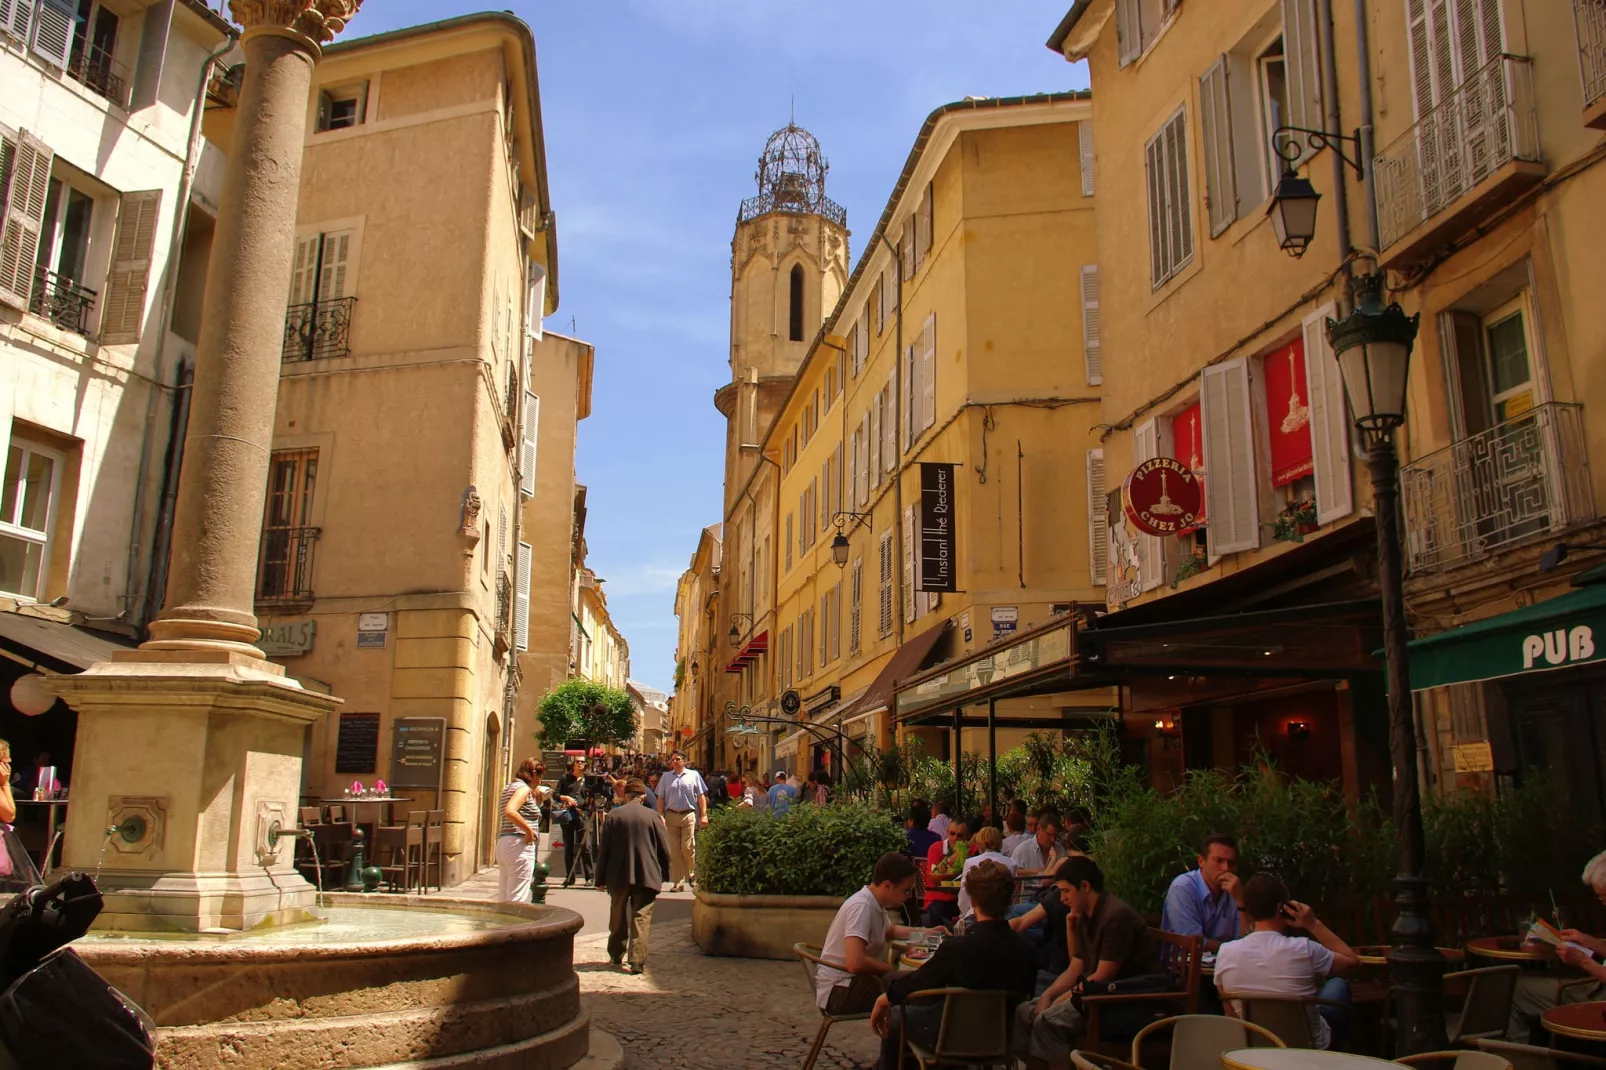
{"x": 632, "y": 858}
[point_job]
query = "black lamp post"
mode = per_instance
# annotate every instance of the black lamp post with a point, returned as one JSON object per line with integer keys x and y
{"x": 1293, "y": 213}
{"x": 840, "y": 546}
{"x": 736, "y": 632}
{"x": 1373, "y": 346}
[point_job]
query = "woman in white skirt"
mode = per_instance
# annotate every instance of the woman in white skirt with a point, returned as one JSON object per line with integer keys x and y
{"x": 520, "y": 832}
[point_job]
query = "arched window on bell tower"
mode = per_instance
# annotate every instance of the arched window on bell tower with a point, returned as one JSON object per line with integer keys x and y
{"x": 796, "y": 326}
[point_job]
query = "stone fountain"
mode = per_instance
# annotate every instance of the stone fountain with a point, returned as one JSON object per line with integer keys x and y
{"x": 188, "y": 758}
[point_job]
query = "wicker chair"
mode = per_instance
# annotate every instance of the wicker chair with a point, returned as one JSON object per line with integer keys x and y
{"x": 1487, "y": 1009}
{"x": 1456, "y": 1060}
{"x": 1530, "y": 1057}
{"x": 1286, "y": 1016}
{"x": 974, "y": 1030}
{"x": 810, "y": 957}
{"x": 1197, "y": 1040}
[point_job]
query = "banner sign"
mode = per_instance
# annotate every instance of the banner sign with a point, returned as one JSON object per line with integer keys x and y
{"x": 936, "y": 528}
{"x": 1162, "y": 497}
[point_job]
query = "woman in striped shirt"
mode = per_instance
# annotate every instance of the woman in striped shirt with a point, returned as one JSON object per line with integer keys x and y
{"x": 520, "y": 831}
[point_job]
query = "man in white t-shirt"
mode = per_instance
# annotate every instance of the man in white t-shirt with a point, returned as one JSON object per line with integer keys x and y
{"x": 939, "y": 819}
{"x": 858, "y": 938}
{"x": 984, "y": 847}
{"x": 1266, "y": 961}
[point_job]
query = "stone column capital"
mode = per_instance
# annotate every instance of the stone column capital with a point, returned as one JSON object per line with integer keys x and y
{"x": 320, "y": 20}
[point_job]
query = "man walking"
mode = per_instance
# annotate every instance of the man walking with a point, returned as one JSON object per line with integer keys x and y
{"x": 683, "y": 804}
{"x": 630, "y": 864}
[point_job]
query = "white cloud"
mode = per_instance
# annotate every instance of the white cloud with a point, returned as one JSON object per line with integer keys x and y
{"x": 641, "y": 578}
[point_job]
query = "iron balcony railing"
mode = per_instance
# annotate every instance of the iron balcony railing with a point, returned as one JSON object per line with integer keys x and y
{"x": 95, "y": 68}
{"x": 284, "y": 569}
{"x": 61, "y": 301}
{"x": 318, "y": 331}
{"x": 1520, "y": 479}
{"x": 1590, "y": 18}
{"x": 1487, "y": 122}
{"x": 504, "y": 603}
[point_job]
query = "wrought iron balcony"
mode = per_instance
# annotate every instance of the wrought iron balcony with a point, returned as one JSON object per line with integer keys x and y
{"x": 1468, "y": 156}
{"x": 61, "y": 301}
{"x": 1589, "y": 16}
{"x": 95, "y": 68}
{"x": 1518, "y": 480}
{"x": 318, "y": 331}
{"x": 284, "y": 568}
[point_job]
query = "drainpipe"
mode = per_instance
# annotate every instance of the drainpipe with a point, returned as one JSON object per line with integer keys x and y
{"x": 897, "y": 434}
{"x": 1363, "y": 48}
{"x": 1335, "y": 123}
{"x": 161, "y": 541}
{"x": 137, "y": 603}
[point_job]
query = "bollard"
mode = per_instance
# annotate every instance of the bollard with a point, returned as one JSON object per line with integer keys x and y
{"x": 538, "y": 883}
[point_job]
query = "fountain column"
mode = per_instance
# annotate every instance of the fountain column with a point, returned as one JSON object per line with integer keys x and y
{"x": 189, "y": 749}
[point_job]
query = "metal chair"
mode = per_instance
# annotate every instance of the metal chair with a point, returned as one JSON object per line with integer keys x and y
{"x": 1456, "y": 1060}
{"x": 1530, "y": 1057}
{"x": 1487, "y": 1009}
{"x": 974, "y": 1030}
{"x": 1179, "y": 956}
{"x": 1197, "y": 1040}
{"x": 810, "y": 957}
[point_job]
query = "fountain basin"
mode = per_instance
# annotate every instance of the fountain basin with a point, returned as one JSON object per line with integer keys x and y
{"x": 387, "y": 979}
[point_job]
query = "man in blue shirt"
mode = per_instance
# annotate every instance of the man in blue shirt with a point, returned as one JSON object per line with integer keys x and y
{"x": 782, "y": 795}
{"x": 683, "y": 804}
{"x": 1207, "y": 901}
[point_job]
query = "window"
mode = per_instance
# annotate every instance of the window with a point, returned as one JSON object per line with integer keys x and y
{"x": 27, "y": 512}
{"x": 284, "y": 569}
{"x": 920, "y": 382}
{"x": 342, "y": 107}
{"x": 795, "y": 305}
{"x": 318, "y": 321}
{"x": 1138, "y": 24}
{"x": 1170, "y": 214}
{"x": 54, "y": 23}
{"x": 788, "y": 542}
{"x": 884, "y": 587}
{"x": 923, "y": 225}
{"x": 320, "y": 266}
{"x": 92, "y": 60}
{"x": 64, "y": 233}
{"x": 855, "y": 604}
{"x": 1092, "y": 357}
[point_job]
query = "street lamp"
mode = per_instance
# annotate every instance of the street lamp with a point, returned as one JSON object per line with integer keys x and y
{"x": 1293, "y": 213}
{"x": 735, "y": 632}
{"x": 1373, "y": 346}
{"x": 839, "y": 544}
{"x": 839, "y": 550}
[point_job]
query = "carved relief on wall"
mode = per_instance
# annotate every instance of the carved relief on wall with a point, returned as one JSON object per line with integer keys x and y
{"x": 320, "y": 20}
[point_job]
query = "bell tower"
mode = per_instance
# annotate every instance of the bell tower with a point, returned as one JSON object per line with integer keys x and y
{"x": 789, "y": 265}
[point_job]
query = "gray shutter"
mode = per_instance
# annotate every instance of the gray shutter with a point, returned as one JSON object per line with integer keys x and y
{"x": 855, "y": 604}
{"x": 1084, "y": 138}
{"x": 1092, "y": 356}
{"x": 535, "y": 301}
{"x": 1129, "y": 40}
{"x": 889, "y": 428}
{"x": 124, "y": 315}
{"x": 1215, "y": 115}
{"x": 911, "y": 392}
{"x": 1098, "y": 523}
{"x": 152, "y": 54}
{"x": 303, "y": 269}
{"x": 337, "y": 257}
{"x": 906, "y": 247}
{"x": 928, "y": 373}
{"x": 884, "y": 588}
{"x": 872, "y": 468}
{"x": 527, "y": 456}
{"x": 1329, "y": 422}
{"x": 521, "y": 599}
{"x": 52, "y": 31}
{"x": 15, "y": 16}
{"x": 1231, "y": 480}
{"x": 1154, "y": 176}
{"x": 25, "y": 194}
{"x": 1181, "y": 214}
{"x": 1301, "y": 57}
{"x": 910, "y": 569}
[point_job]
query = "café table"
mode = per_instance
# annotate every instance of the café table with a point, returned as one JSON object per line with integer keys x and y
{"x": 1577, "y": 1021}
{"x": 1297, "y": 1059}
{"x": 385, "y": 817}
{"x": 53, "y": 822}
{"x": 1510, "y": 949}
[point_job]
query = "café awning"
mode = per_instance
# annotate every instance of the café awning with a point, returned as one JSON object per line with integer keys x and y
{"x": 1328, "y": 639}
{"x": 750, "y": 651}
{"x": 1041, "y": 660}
{"x": 1558, "y": 633}
{"x": 55, "y": 645}
{"x": 905, "y": 661}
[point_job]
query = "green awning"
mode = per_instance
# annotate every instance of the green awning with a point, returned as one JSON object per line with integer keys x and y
{"x": 1558, "y": 633}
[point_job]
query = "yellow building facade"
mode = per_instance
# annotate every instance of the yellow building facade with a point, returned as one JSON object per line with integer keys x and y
{"x": 396, "y": 563}
{"x": 691, "y": 723}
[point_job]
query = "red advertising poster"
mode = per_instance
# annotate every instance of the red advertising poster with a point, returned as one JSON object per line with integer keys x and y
{"x": 1187, "y": 437}
{"x": 1288, "y": 413}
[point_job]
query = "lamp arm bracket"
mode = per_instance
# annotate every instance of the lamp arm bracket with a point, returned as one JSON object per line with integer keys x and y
{"x": 1292, "y": 142}
{"x": 846, "y": 521}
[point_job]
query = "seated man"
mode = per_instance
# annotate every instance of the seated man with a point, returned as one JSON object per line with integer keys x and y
{"x": 983, "y": 847}
{"x": 1207, "y": 901}
{"x": 947, "y": 858}
{"x": 1015, "y": 832}
{"x": 1537, "y": 993}
{"x": 858, "y": 938}
{"x": 920, "y": 837}
{"x": 1049, "y": 915}
{"x": 1111, "y": 943}
{"x": 1268, "y": 962}
{"x": 988, "y": 956}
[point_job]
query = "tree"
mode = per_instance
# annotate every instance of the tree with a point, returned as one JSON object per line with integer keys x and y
{"x": 588, "y": 711}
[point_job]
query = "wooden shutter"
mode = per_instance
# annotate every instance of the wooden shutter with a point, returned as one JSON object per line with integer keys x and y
{"x": 1329, "y": 422}
{"x": 873, "y": 444}
{"x": 52, "y": 33}
{"x": 1151, "y": 553}
{"x": 521, "y": 599}
{"x": 15, "y": 16}
{"x": 855, "y": 605}
{"x": 501, "y": 539}
{"x": 1128, "y": 36}
{"x": 1180, "y": 213}
{"x": 923, "y": 229}
{"x": 864, "y": 340}
{"x": 928, "y": 373}
{"x": 154, "y": 33}
{"x": 303, "y": 270}
{"x": 336, "y": 257}
{"x": 907, "y": 396}
{"x": 1215, "y": 117}
{"x": 1084, "y": 138}
{"x": 1092, "y": 356}
{"x": 889, "y": 428}
{"x": 787, "y": 542}
{"x": 532, "y": 427}
{"x": 25, "y": 196}
{"x": 535, "y": 303}
{"x": 906, "y": 247}
{"x": 909, "y": 563}
{"x": 1231, "y": 480}
{"x": 1301, "y": 59}
{"x": 1098, "y": 521}
{"x": 853, "y": 469}
{"x": 1154, "y": 182}
{"x": 131, "y": 267}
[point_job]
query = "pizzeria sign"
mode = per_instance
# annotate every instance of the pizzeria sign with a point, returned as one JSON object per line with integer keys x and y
{"x": 1162, "y": 496}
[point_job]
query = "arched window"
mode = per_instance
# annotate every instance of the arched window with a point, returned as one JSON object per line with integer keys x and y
{"x": 796, "y": 333}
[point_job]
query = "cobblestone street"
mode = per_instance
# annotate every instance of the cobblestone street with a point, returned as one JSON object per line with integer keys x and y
{"x": 690, "y": 1011}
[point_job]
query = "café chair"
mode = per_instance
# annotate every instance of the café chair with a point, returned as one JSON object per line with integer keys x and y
{"x": 1456, "y": 1060}
{"x": 433, "y": 848}
{"x": 1486, "y": 1010}
{"x": 392, "y": 856}
{"x": 974, "y": 1030}
{"x": 1531, "y": 1057}
{"x": 307, "y": 816}
{"x": 1092, "y": 1060}
{"x": 1197, "y": 1040}
{"x": 1286, "y": 1016}
{"x": 810, "y": 957}
{"x": 1179, "y": 956}
{"x": 331, "y": 853}
{"x": 337, "y": 813}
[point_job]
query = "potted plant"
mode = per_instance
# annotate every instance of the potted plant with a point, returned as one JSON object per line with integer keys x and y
{"x": 767, "y": 882}
{"x": 1297, "y": 520}
{"x": 1195, "y": 563}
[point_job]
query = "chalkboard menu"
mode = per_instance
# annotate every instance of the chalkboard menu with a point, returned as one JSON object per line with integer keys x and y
{"x": 357, "y": 748}
{"x": 416, "y": 746}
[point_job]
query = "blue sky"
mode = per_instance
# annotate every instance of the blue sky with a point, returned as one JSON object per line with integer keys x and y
{"x": 655, "y": 113}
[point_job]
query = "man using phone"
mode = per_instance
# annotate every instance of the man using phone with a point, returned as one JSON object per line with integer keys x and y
{"x": 1268, "y": 962}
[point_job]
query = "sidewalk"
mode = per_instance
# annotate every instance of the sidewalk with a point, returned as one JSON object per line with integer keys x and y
{"x": 690, "y": 1011}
